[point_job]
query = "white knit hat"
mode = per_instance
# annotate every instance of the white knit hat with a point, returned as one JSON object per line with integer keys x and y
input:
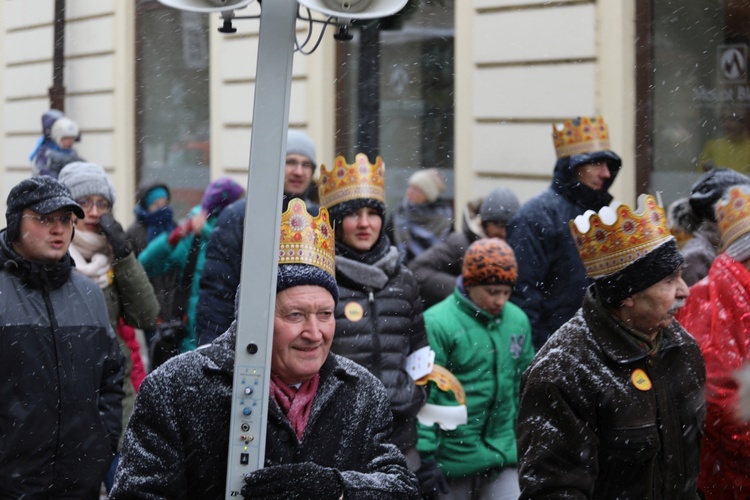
{"x": 63, "y": 127}
{"x": 87, "y": 179}
{"x": 430, "y": 181}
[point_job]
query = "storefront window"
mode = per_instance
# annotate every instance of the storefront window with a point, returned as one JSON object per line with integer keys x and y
{"x": 701, "y": 92}
{"x": 395, "y": 94}
{"x": 172, "y": 101}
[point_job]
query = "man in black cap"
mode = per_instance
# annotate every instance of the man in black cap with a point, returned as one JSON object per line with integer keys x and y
{"x": 613, "y": 404}
{"x": 61, "y": 369}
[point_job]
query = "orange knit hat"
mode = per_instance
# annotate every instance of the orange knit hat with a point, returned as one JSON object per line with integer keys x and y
{"x": 489, "y": 261}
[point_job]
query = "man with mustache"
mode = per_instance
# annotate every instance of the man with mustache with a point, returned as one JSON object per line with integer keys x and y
{"x": 612, "y": 406}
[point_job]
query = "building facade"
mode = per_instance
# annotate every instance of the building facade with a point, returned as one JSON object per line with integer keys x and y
{"x": 469, "y": 87}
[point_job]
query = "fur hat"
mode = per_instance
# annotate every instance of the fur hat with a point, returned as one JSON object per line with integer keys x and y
{"x": 489, "y": 261}
{"x": 710, "y": 188}
{"x": 430, "y": 181}
{"x": 219, "y": 194}
{"x": 499, "y": 206}
{"x": 299, "y": 143}
{"x": 87, "y": 179}
{"x": 41, "y": 194}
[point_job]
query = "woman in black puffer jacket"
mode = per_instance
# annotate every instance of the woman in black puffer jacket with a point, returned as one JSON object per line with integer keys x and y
{"x": 379, "y": 313}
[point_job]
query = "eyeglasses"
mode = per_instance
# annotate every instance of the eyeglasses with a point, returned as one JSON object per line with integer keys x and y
{"x": 86, "y": 204}
{"x": 49, "y": 221}
{"x": 293, "y": 163}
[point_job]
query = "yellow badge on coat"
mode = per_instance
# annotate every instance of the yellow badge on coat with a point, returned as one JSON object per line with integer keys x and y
{"x": 353, "y": 311}
{"x": 640, "y": 380}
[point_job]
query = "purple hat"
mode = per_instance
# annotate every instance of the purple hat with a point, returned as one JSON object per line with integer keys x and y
{"x": 219, "y": 194}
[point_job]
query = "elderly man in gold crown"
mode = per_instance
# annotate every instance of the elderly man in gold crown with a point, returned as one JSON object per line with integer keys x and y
{"x": 612, "y": 406}
{"x": 716, "y": 314}
{"x": 329, "y": 419}
{"x": 551, "y": 277}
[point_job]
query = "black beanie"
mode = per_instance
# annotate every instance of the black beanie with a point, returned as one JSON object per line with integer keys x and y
{"x": 290, "y": 275}
{"x": 653, "y": 267}
{"x": 710, "y": 188}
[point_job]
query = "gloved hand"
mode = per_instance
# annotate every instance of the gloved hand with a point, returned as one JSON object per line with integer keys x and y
{"x": 121, "y": 246}
{"x": 294, "y": 481}
{"x": 431, "y": 480}
{"x": 185, "y": 228}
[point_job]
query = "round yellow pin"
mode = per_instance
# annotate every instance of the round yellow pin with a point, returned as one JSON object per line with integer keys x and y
{"x": 640, "y": 380}
{"x": 353, "y": 311}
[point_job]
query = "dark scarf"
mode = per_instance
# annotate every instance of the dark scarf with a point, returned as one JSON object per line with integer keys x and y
{"x": 156, "y": 222}
{"x": 371, "y": 256}
{"x": 37, "y": 275}
{"x": 295, "y": 403}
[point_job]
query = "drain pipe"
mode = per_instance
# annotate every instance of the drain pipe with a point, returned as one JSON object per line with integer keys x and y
{"x": 57, "y": 90}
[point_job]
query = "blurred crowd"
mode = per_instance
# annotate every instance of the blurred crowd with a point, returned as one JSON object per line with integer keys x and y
{"x": 568, "y": 347}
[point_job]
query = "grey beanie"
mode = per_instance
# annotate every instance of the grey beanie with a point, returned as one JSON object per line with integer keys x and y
{"x": 87, "y": 179}
{"x": 499, "y": 206}
{"x": 299, "y": 143}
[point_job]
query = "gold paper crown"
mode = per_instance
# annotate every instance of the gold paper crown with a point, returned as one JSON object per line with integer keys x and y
{"x": 616, "y": 237}
{"x": 580, "y": 135}
{"x": 306, "y": 239}
{"x": 347, "y": 182}
{"x": 733, "y": 215}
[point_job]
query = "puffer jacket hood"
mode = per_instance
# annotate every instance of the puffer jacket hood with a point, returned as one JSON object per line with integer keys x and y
{"x": 48, "y": 119}
{"x": 566, "y": 183}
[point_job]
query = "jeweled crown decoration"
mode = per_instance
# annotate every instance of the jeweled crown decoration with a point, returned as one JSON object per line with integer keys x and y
{"x": 306, "y": 239}
{"x": 580, "y": 135}
{"x": 345, "y": 182}
{"x": 617, "y": 236}
{"x": 733, "y": 215}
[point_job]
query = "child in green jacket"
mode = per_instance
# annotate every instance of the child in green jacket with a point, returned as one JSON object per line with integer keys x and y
{"x": 485, "y": 342}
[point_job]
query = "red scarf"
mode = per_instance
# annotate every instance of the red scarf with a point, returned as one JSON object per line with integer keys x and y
{"x": 295, "y": 403}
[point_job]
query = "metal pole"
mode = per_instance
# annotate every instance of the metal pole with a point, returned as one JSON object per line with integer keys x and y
{"x": 252, "y": 372}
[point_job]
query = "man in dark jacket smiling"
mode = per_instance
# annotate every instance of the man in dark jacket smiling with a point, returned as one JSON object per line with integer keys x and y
{"x": 613, "y": 406}
{"x": 551, "y": 278}
{"x": 328, "y": 418}
{"x": 61, "y": 370}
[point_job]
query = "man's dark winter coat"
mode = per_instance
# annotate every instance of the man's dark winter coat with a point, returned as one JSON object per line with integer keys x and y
{"x": 551, "y": 277}
{"x": 601, "y": 418}
{"x": 61, "y": 374}
{"x": 177, "y": 439}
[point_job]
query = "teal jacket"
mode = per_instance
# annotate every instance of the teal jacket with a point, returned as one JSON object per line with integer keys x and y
{"x": 487, "y": 354}
{"x": 159, "y": 258}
